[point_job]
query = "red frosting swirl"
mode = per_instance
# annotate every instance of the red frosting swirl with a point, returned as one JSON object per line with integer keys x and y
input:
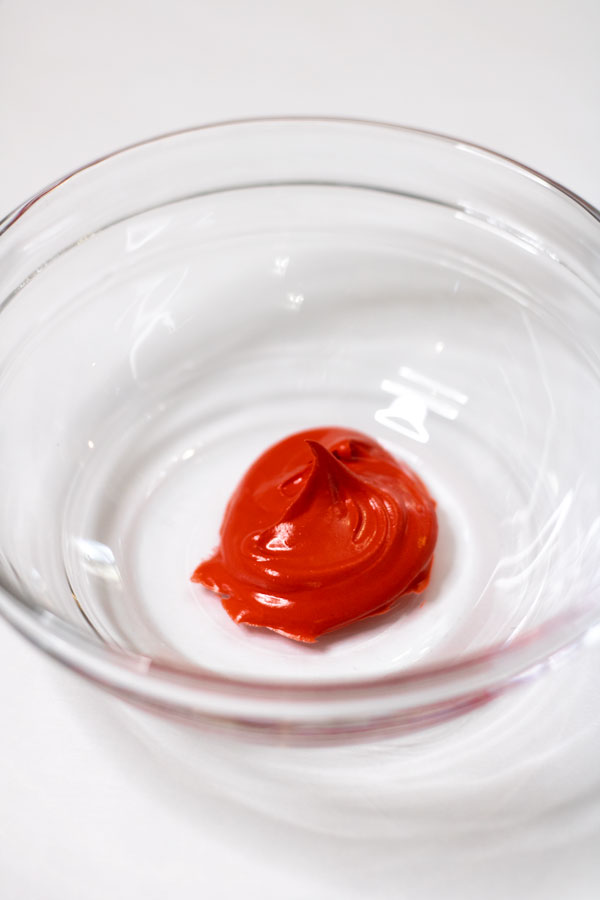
{"x": 325, "y": 528}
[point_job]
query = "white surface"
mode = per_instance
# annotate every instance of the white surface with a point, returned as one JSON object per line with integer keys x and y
{"x": 84, "y": 812}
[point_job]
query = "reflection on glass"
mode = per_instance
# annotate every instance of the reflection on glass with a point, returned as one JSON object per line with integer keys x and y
{"x": 415, "y": 396}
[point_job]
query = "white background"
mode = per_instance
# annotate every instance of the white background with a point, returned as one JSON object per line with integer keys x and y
{"x": 83, "y": 814}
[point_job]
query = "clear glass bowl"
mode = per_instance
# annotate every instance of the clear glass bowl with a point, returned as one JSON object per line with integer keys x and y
{"x": 169, "y": 311}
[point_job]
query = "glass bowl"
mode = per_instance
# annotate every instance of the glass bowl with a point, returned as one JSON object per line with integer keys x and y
{"x": 169, "y": 311}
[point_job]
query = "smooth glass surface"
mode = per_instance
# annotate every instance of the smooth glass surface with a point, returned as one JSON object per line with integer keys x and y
{"x": 169, "y": 312}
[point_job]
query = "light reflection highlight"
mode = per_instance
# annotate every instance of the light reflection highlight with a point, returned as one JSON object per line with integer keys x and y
{"x": 415, "y": 396}
{"x": 97, "y": 559}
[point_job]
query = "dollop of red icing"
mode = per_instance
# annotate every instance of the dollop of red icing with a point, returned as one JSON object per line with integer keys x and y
{"x": 324, "y": 529}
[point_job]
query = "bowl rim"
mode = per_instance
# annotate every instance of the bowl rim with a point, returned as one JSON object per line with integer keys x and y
{"x": 11, "y": 217}
{"x": 142, "y": 678}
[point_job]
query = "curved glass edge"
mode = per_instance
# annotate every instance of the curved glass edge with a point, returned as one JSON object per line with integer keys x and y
{"x": 9, "y": 220}
{"x": 340, "y": 705}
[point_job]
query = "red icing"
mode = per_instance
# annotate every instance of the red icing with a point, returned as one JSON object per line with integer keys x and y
{"x": 324, "y": 529}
